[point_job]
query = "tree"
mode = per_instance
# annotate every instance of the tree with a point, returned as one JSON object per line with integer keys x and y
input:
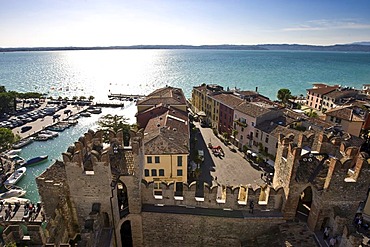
{"x": 7, "y": 138}
{"x": 284, "y": 95}
{"x": 91, "y": 98}
{"x": 312, "y": 113}
{"x": 82, "y": 97}
{"x": 115, "y": 123}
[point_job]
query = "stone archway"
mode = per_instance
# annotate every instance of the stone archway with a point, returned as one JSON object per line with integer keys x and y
{"x": 126, "y": 234}
{"x": 122, "y": 199}
{"x": 304, "y": 204}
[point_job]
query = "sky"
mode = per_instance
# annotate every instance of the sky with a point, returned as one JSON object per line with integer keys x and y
{"x": 54, "y": 23}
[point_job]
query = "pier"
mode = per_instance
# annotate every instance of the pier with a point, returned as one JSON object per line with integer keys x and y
{"x": 129, "y": 97}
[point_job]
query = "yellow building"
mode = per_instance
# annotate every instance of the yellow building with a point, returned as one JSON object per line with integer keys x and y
{"x": 203, "y": 101}
{"x": 166, "y": 145}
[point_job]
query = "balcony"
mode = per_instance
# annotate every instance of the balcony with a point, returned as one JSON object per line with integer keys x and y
{"x": 241, "y": 123}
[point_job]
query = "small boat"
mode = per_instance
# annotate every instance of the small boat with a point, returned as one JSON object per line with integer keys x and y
{"x": 16, "y": 176}
{"x": 41, "y": 137}
{"x": 50, "y": 133}
{"x": 35, "y": 160}
{"x": 13, "y": 152}
{"x": 85, "y": 114}
{"x": 12, "y": 193}
{"x": 13, "y": 200}
{"x": 22, "y": 143}
{"x": 94, "y": 110}
{"x": 25, "y": 128}
{"x": 17, "y": 159}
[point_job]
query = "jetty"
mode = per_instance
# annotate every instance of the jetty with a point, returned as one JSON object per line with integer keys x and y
{"x": 129, "y": 97}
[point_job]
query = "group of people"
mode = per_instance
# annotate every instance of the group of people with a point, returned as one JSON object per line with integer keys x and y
{"x": 332, "y": 240}
{"x": 31, "y": 211}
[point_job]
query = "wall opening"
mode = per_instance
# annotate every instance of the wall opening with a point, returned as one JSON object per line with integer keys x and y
{"x": 126, "y": 235}
{"x": 304, "y": 204}
{"x": 122, "y": 199}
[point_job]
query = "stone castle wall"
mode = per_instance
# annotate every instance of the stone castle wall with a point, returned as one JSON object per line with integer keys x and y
{"x": 164, "y": 229}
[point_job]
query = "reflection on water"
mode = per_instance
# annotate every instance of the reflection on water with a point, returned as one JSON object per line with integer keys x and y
{"x": 55, "y": 147}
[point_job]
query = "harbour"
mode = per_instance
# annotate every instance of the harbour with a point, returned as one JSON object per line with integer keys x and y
{"x": 56, "y": 146}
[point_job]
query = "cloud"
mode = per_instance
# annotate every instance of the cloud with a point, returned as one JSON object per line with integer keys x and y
{"x": 323, "y": 24}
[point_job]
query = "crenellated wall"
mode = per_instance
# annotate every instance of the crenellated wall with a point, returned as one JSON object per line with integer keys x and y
{"x": 217, "y": 197}
{"x": 337, "y": 173}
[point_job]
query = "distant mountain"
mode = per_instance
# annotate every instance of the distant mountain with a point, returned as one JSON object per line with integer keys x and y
{"x": 355, "y": 47}
{"x": 295, "y": 47}
{"x": 362, "y": 43}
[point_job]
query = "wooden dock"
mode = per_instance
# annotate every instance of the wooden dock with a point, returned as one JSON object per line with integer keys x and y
{"x": 120, "y": 96}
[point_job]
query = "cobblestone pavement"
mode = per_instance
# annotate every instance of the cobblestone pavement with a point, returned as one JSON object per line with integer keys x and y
{"x": 232, "y": 170}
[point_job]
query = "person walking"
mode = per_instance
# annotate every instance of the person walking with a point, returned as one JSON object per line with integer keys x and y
{"x": 326, "y": 232}
{"x": 251, "y": 207}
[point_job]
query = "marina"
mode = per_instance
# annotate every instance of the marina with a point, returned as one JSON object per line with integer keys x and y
{"x": 54, "y": 147}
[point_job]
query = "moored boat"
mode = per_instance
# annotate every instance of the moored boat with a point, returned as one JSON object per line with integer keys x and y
{"x": 35, "y": 160}
{"x": 16, "y": 176}
{"x": 13, "y": 152}
{"x": 16, "y": 159}
{"x": 22, "y": 143}
{"x": 12, "y": 193}
{"x": 49, "y": 132}
{"x": 14, "y": 200}
{"x": 85, "y": 114}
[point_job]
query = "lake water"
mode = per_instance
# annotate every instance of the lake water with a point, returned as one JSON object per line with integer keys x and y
{"x": 98, "y": 73}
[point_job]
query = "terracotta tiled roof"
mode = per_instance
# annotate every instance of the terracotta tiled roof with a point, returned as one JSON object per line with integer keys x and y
{"x": 345, "y": 113}
{"x": 167, "y": 134}
{"x": 229, "y": 100}
{"x": 166, "y": 95}
{"x": 322, "y": 90}
{"x": 341, "y": 94}
{"x": 252, "y": 109}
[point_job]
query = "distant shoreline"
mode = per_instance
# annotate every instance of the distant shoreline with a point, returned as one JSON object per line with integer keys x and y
{"x": 265, "y": 47}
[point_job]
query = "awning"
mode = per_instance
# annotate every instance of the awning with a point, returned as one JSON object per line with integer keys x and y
{"x": 201, "y": 114}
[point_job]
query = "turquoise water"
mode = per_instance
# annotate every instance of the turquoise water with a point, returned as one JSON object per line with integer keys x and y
{"x": 55, "y": 147}
{"x": 76, "y": 73}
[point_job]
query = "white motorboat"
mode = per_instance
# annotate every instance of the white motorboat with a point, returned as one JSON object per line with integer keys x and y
{"x": 12, "y": 193}
{"x": 17, "y": 159}
{"x": 13, "y": 152}
{"x": 49, "y": 133}
{"x": 14, "y": 200}
{"x": 22, "y": 143}
{"x": 16, "y": 176}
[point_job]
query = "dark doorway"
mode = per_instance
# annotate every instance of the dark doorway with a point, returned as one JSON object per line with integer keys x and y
{"x": 122, "y": 199}
{"x": 304, "y": 204}
{"x": 126, "y": 236}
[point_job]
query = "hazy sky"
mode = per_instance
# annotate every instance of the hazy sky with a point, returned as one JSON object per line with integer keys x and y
{"x": 32, "y": 23}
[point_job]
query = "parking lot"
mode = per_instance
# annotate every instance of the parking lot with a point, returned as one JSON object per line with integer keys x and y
{"x": 232, "y": 169}
{"x": 29, "y": 120}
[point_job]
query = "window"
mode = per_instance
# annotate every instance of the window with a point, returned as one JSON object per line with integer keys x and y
{"x": 146, "y": 172}
{"x": 179, "y": 160}
{"x": 154, "y": 172}
{"x": 257, "y": 133}
{"x": 179, "y": 172}
{"x": 267, "y": 139}
{"x": 331, "y": 119}
{"x": 161, "y": 172}
{"x": 149, "y": 159}
{"x": 276, "y": 145}
{"x": 252, "y": 124}
{"x": 266, "y": 150}
{"x": 242, "y": 129}
{"x": 156, "y": 159}
{"x": 241, "y": 137}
